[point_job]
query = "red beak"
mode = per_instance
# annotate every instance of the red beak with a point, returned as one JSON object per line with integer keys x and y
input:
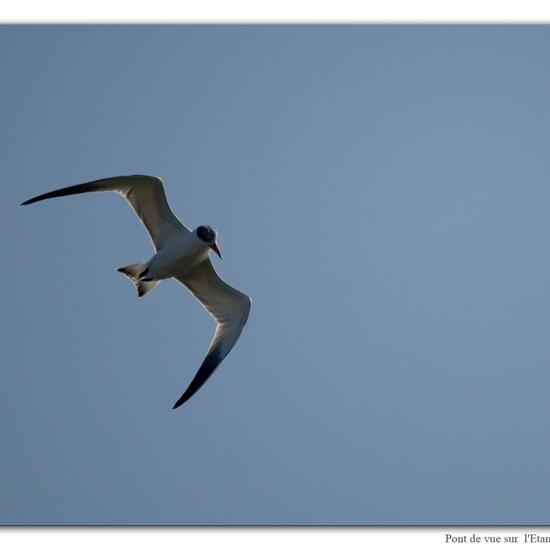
{"x": 215, "y": 248}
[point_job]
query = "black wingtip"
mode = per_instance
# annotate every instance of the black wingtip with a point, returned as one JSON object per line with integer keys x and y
{"x": 33, "y": 200}
{"x": 209, "y": 365}
{"x": 185, "y": 397}
{"x": 177, "y": 404}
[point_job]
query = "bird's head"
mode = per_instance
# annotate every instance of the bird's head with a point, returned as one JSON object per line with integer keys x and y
{"x": 208, "y": 235}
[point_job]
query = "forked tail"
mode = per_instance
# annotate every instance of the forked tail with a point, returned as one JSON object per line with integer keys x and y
{"x": 136, "y": 274}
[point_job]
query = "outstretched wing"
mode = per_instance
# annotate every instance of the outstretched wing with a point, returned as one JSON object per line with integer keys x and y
{"x": 230, "y": 309}
{"x": 145, "y": 195}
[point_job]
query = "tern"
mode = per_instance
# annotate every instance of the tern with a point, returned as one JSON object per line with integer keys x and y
{"x": 179, "y": 253}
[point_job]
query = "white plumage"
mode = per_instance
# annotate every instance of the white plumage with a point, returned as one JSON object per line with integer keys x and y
{"x": 179, "y": 253}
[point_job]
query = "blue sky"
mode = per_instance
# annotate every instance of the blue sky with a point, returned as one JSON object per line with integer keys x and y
{"x": 380, "y": 192}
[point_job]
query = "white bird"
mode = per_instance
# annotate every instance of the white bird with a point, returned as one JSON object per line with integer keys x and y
{"x": 180, "y": 253}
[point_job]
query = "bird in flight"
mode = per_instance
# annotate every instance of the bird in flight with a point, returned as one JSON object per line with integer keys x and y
{"x": 179, "y": 253}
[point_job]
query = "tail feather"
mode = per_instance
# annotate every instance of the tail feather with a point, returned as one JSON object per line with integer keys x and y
{"x": 143, "y": 287}
{"x": 134, "y": 272}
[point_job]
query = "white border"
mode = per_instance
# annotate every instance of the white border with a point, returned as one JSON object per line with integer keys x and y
{"x": 271, "y": 11}
{"x": 254, "y": 538}
{"x": 248, "y": 11}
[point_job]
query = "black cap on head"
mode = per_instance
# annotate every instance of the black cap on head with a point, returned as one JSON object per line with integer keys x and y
{"x": 206, "y": 233}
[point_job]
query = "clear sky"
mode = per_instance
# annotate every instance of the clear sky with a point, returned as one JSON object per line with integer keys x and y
{"x": 382, "y": 194}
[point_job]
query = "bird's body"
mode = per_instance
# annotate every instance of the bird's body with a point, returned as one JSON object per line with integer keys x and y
{"x": 179, "y": 253}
